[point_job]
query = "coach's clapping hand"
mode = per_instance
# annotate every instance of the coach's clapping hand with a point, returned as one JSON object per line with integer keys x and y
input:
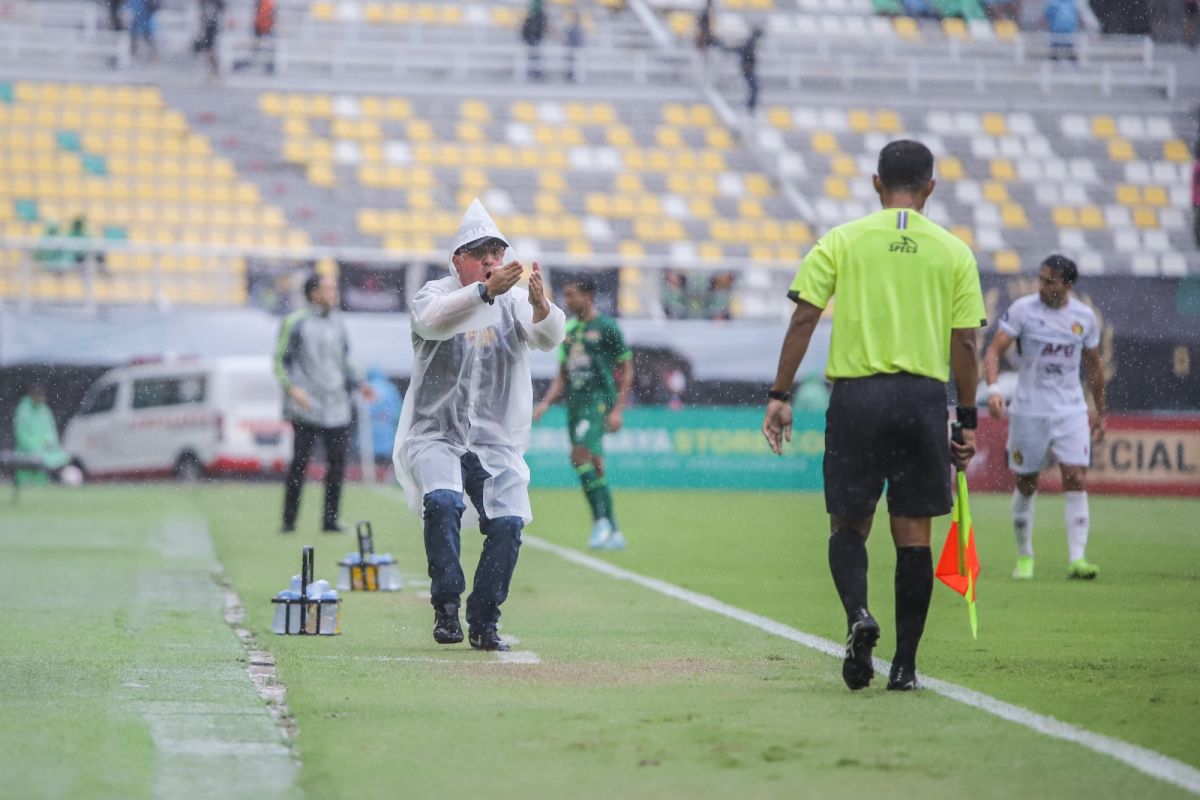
{"x": 777, "y": 425}
{"x": 502, "y": 279}
{"x": 961, "y": 454}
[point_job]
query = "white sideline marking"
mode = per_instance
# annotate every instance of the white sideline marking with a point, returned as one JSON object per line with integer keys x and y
{"x": 511, "y": 657}
{"x": 1148, "y": 762}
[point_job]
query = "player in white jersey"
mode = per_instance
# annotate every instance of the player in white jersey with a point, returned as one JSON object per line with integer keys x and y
{"x": 1053, "y": 332}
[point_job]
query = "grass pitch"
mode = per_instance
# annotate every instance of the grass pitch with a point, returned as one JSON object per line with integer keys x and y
{"x": 634, "y": 694}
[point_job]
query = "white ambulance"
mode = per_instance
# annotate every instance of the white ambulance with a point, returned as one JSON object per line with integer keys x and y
{"x": 184, "y": 417}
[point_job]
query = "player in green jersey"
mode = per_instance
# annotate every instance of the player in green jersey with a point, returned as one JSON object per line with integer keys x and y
{"x": 596, "y": 374}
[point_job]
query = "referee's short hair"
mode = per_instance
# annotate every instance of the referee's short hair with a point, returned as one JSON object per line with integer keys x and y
{"x": 905, "y": 165}
{"x": 584, "y": 283}
{"x": 1063, "y": 267}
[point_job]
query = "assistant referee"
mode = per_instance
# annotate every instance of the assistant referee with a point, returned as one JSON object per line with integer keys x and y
{"x": 908, "y": 306}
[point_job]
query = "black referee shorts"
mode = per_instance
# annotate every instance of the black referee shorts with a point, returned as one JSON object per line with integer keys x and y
{"x": 887, "y": 428}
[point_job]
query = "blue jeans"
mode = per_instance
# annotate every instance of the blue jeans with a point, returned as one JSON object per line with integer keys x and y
{"x": 443, "y": 523}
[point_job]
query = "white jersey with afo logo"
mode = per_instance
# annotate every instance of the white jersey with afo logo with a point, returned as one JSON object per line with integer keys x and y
{"x": 1050, "y": 344}
{"x": 1048, "y": 413}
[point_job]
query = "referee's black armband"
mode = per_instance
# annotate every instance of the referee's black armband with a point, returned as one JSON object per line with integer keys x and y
{"x": 967, "y": 416}
{"x": 776, "y": 395}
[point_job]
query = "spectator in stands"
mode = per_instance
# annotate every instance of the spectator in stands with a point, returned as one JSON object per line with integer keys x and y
{"x": 37, "y": 435}
{"x": 211, "y": 14}
{"x": 1062, "y": 20}
{"x": 704, "y": 29}
{"x": 1001, "y": 10}
{"x": 1196, "y": 192}
{"x": 114, "y": 14}
{"x": 533, "y": 30}
{"x": 747, "y": 53}
{"x": 1191, "y": 15}
{"x": 264, "y": 35}
{"x": 574, "y": 40}
{"x": 142, "y": 25}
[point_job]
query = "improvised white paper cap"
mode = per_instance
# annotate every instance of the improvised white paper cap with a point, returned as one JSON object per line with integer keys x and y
{"x": 476, "y": 224}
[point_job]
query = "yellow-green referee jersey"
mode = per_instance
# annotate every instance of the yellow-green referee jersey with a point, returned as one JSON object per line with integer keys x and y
{"x": 901, "y": 283}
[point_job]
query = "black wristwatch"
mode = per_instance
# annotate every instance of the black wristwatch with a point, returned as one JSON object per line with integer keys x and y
{"x": 967, "y": 416}
{"x": 483, "y": 294}
{"x": 774, "y": 395}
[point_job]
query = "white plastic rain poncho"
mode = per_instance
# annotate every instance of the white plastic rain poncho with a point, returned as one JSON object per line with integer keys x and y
{"x": 471, "y": 389}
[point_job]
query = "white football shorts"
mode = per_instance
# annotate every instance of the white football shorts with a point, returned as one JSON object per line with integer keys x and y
{"x": 1033, "y": 440}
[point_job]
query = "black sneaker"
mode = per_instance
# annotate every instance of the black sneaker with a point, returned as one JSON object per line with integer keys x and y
{"x": 287, "y": 529}
{"x": 903, "y": 678}
{"x": 487, "y": 638}
{"x": 857, "y": 669}
{"x": 446, "y": 629}
{"x": 335, "y": 527}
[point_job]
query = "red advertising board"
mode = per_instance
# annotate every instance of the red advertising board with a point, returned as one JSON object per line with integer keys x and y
{"x": 1141, "y": 454}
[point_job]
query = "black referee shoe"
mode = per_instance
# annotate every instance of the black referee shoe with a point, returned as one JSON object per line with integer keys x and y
{"x": 903, "y": 678}
{"x": 446, "y": 628}
{"x": 857, "y": 669}
{"x": 487, "y": 638}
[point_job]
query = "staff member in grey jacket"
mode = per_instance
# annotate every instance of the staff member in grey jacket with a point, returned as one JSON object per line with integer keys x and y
{"x": 312, "y": 363}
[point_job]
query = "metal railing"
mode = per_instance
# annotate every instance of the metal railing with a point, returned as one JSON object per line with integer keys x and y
{"x": 53, "y": 271}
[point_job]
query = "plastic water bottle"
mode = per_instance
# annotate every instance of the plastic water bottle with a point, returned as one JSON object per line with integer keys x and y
{"x": 329, "y": 612}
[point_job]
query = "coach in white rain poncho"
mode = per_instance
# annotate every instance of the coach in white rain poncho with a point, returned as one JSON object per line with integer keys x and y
{"x": 466, "y": 418}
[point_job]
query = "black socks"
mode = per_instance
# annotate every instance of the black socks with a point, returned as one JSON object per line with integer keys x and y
{"x": 848, "y": 564}
{"x": 914, "y": 586}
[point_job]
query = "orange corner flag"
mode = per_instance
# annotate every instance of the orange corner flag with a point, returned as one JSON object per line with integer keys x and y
{"x": 958, "y": 566}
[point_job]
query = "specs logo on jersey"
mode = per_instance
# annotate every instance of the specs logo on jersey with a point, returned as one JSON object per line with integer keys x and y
{"x": 905, "y": 245}
{"x": 1064, "y": 350}
{"x": 1076, "y": 329}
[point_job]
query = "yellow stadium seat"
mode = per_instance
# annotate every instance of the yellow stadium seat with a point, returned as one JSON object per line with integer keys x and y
{"x": 836, "y": 188}
{"x": 548, "y": 204}
{"x": 1007, "y": 261}
{"x": 619, "y": 136}
{"x": 1155, "y": 196}
{"x": 321, "y": 175}
{"x": 400, "y": 13}
{"x": 759, "y": 185}
{"x": 552, "y": 182}
{"x": 1145, "y": 217}
{"x": 271, "y": 103}
{"x": 710, "y": 251}
{"x": 375, "y": 13}
{"x": 995, "y": 192}
{"x": 1091, "y": 218}
{"x": 1005, "y": 30}
{"x": 579, "y": 247}
{"x": 888, "y": 121}
{"x": 1103, "y": 127}
{"x": 798, "y": 232}
{"x": 668, "y": 137}
{"x": 779, "y": 117}
{"x": 770, "y": 231}
{"x": 296, "y": 126}
{"x": 954, "y": 28}
{"x": 906, "y": 28}
{"x": 701, "y": 115}
{"x": 681, "y": 23}
{"x": 1175, "y": 150}
{"x": 995, "y": 124}
{"x": 397, "y": 108}
{"x": 1013, "y": 216}
{"x": 860, "y": 120}
{"x": 824, "y": 142}
{"x": 761, "y": 252}
{"x": 628, "y": 248}
{"x": 1064, "y": 217}
{"x": 603, "y": 114}
{"x": 322, "y": 11}
{"x": 844, "y": 165}
{"x": 628, "y": 182}
{"x": 675, "y": 114}
{"x": 523, "y": 111}
{"x": 701, "y": 208}
{"x": 1128, "y": 194}
{"x": 474, "y": 111}
{"x": 1002, "y": 169}
{"x": 1120, "y": 150}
